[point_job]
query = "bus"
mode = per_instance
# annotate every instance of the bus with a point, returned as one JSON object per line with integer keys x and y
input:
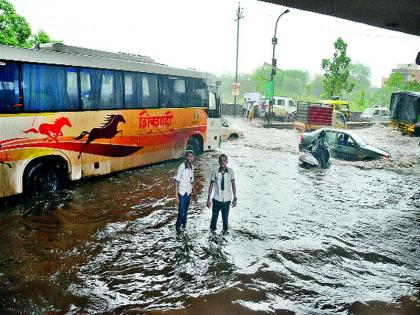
{"x": 68, "y": 113}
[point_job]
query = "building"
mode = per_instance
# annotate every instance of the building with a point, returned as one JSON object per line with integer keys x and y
{"x": 410, "y": 72}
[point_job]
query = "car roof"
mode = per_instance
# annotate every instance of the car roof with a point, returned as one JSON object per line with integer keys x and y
{"x": 336, "y": 130}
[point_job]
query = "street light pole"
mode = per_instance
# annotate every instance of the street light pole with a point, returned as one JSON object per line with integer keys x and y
{"x": 239, "y": 16}
{"x": 274, "y": 64}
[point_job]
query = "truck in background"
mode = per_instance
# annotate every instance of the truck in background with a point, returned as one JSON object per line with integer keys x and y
{"x": 405, "y": 112}
{"x": 284, "y": 108}
{"x": 312, "y": 116}
{"x": 338, "y": 106}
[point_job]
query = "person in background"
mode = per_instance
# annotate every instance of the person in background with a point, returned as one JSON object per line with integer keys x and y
{"x": 251, "y": 112}
{"x": 263, "y": 108}
{"x": 184, "y": 189}
{"x": 222, "y": 181}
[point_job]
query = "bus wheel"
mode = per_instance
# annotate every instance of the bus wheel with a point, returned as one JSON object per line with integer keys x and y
{"x": 193, "y": 145}
{"x": 42, "y": 177}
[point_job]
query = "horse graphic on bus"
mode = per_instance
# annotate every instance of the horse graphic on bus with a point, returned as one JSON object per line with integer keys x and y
{"x": 107, "y": 130}
{"x": 52, "y": 131}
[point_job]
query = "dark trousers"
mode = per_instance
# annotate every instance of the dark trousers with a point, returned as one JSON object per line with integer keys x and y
{"x": 217, "y": 206}
{"x": 184, "y": 202}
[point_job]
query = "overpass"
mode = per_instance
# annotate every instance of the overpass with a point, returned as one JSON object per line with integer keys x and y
{"x": 402, "y": 16}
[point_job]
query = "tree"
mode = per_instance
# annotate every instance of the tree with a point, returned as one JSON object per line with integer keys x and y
{"x": 360, "y": 75}
{"x": 337, "y": 71}
{"x": 42, "y": 38}
{"x": 15, "y": 30}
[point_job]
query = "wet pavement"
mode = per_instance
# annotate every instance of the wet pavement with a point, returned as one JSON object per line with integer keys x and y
{"x": 317, "y": 241}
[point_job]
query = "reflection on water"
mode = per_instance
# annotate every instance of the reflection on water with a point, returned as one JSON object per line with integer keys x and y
{"x": 305, "y": 241}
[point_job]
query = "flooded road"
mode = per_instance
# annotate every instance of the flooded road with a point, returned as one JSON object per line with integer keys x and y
{"x": 301, "y": 241}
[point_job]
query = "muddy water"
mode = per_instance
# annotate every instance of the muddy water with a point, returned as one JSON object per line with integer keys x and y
{"x": 303, "y": 241}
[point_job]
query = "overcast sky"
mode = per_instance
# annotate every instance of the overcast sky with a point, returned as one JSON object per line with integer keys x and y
{"x": 201, "y": 34}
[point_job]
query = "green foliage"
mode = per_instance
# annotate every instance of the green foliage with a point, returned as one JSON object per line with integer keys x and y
{"x": 395, "y": 83}
{"x": 291, "y": 83}
{"x": 15, "y": 30}
{"x": 360, "y": 102}
{"x": 337, "y": 72}
{"x": 42, "y": 38}
{"x": 413, "y": 86}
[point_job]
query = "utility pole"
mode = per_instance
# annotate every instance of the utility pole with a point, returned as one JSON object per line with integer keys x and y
{"x": 239, "y": 16}
{"x": 274, "y": 65}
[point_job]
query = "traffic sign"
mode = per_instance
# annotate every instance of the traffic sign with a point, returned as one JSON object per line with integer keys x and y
{"x": 236, "y": 87}
{"x": 269, "y": 89}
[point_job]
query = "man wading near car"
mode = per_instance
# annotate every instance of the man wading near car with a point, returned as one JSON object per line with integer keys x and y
{"x": 223, "y": 181}
{"x": 184, "y": 189}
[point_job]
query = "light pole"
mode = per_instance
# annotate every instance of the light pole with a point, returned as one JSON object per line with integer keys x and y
{"x": 274, "y": 64}
{"x": 239, "y": 16}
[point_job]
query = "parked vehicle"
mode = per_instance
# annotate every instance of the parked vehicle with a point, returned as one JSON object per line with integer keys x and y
{"x": 68, "y": 113}
{"x": 338, "y": 106}
{"x": 312, "y": 116}
{"x": 284, "y": 108}
{"x": 405, "y": 112}
{"x": 344, "y": 145}
{"x": 375, "y": 113}
{"x": 229, "y": 131}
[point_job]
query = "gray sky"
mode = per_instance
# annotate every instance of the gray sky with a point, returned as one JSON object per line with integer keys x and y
{"x": 201, "y": 34}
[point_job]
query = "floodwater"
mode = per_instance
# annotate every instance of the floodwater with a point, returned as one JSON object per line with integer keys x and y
{"x": 334, "y": 241}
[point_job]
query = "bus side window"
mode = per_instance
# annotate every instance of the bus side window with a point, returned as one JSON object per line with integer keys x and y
{"x": 133, "y": 89}
{"x": 9, "y": 87}
{"x": 196, "y": 93}
{"x": 150, "y": 90}
{"x": 180, "y": 93}
{"x": 164, "y": 93}
{"x": 101, "y": 89}
{"x": 49, "y": 88}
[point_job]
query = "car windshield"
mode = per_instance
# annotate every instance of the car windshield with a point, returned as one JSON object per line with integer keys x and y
{"x": 359, "y": 140}
{"x": 369, "y": 111}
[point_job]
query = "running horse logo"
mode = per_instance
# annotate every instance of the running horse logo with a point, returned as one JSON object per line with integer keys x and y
{"x": 52, "y": 131}
{"x": 107, "y": 130}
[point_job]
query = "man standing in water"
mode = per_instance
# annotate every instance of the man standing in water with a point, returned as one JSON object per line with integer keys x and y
{"x": 223, "y": 181}
{"x": 184, "y": 189}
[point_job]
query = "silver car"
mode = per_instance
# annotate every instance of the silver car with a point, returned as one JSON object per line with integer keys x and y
{"x": 375, "y": 114}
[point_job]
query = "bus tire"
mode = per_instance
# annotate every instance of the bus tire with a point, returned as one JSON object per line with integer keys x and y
{"x": 193, "y": 145}
{"x": 42, "y": 177}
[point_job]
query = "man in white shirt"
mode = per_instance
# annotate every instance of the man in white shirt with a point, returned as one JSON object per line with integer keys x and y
{"x": 184, "y": 189}
{"x": 223, "y": 181}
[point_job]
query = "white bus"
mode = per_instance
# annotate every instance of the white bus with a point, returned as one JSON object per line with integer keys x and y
{"x": 69, "y": 112}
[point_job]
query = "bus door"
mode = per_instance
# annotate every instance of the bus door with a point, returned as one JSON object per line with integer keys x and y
{"x": 214, "y": 123}
{"x": 95, "y": 146}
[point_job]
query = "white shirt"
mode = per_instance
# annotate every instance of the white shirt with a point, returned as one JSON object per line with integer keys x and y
{"x": 185, "y": 178}
{"x": 216, "y": 177}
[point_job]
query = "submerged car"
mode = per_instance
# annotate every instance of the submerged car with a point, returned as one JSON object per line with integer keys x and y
{"x": 230, "y": 132}
{"x": 344, "y": 145}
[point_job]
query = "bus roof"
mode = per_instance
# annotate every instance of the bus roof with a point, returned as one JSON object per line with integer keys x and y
{"x": 60, "y": 54}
